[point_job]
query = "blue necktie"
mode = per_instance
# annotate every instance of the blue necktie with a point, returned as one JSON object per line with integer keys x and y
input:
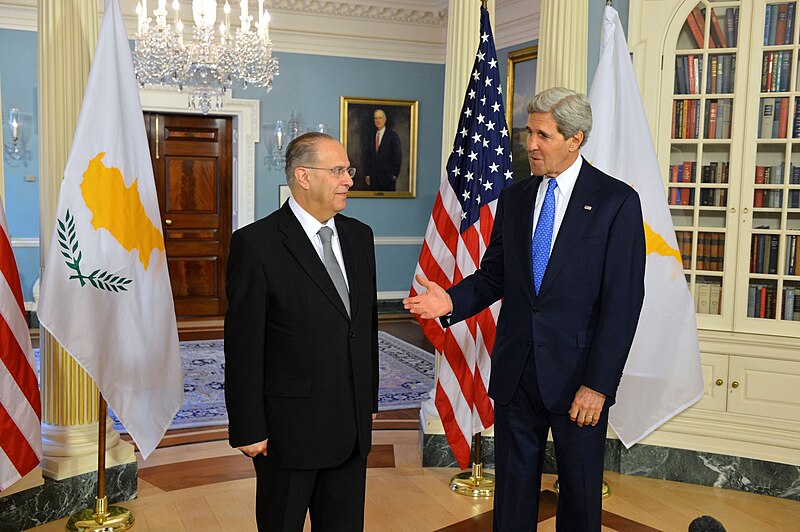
{"x": 543, "y": 235}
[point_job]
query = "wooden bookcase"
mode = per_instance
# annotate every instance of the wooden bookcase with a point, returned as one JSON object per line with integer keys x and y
{"x": 712, "y": 73}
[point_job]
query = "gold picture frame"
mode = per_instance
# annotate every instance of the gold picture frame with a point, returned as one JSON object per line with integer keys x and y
{"x": 520, "y": 89}
{"x": 358, "y": 129}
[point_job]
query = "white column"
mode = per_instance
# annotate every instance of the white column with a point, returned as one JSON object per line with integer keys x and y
{"x": 563, "y": 42}
{"x": 67, "y": 33}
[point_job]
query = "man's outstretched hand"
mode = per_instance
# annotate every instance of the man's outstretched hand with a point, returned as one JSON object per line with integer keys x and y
{"x": 434, "y": 302}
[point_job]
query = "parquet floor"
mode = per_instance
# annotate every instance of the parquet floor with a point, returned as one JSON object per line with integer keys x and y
{"x": 195, "y": 482}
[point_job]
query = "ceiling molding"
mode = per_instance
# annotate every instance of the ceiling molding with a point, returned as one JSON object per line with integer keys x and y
{"x": 369, "y": 29}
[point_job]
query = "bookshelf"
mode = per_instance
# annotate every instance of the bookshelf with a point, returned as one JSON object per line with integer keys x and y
{"x": 721, "y": 85}
{"x": 699, "y": 188}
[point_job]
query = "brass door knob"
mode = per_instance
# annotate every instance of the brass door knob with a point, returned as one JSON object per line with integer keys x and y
{"x": 735, "y": 384}
{"x": 168, "y": 221}
{"x": 720, "y": 382}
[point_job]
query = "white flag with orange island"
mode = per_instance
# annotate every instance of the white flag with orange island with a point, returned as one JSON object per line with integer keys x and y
{"x": 106, "y": 293}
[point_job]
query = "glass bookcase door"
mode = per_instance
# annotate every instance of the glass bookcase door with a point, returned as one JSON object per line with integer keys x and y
{"x": 769, "y": 282}
{"x": 703, "y": 177}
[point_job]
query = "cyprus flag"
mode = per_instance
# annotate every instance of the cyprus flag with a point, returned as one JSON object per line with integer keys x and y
{"x": 662, "y": 376}
{"x": 106, "y": 294}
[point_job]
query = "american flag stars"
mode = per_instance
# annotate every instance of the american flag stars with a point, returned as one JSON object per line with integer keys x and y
{"x": 480, "y": 163}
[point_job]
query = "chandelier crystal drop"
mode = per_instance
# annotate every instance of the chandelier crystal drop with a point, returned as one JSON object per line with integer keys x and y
{"x": 207, "y": 67}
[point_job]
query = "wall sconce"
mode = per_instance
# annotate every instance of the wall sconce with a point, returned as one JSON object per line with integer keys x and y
{"x": 286, "y": 132}
{"x": 15, "y": 150}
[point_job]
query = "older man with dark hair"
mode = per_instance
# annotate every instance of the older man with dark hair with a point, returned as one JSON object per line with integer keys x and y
{"x": 301, "y": 346}
{"x": 567, "y": 256}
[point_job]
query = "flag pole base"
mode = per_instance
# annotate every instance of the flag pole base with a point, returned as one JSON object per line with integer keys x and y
{"x": 475, "y": 483}
{"x": 606, "y": 488}
{"x": 101, "y": 518}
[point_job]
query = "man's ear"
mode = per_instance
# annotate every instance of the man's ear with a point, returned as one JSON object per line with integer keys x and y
{"x": 301, "y": 177}
{"x": 576, "y": 140}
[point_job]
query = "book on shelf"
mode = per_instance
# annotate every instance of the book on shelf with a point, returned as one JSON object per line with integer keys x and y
{"x": 766, "y": 112}
{"x": 796, "y": 122}
{"x": 717, "y": 35}
{"x": 776, "y": 113}
{"x": 789, "y": 303}
{"x": 789, "y": 34}
{"x": 791, "y": 255}
{"x": 711, "y": 121}
{"x": 729, "y": 25}
{"x": 696, "y": 23}
{"x": 780, "y": 25}
{"x": 703, "y": 298}
{"x": 715, "y": 298}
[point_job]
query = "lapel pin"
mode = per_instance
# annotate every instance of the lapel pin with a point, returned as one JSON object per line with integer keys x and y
{"x": 587, "y": 207}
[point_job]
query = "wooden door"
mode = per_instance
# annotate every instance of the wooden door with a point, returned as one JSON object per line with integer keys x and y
{"x": 191, "y": 157}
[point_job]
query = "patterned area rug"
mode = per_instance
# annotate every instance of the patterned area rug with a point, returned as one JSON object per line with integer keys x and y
{"x": 407, "y": 374}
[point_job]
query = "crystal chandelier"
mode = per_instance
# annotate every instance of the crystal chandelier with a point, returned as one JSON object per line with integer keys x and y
{"x": 206, "y": 68}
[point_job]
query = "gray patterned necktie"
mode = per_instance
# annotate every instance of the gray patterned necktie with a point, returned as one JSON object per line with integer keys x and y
{"x": 332, "y": 265}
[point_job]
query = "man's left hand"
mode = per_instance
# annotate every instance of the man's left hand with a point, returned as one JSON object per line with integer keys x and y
{"x": 587, "y": 406}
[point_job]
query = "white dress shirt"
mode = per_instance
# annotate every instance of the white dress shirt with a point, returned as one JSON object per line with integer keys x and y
{"x": 566, "y": 182}
{"x": 311, "y": 226}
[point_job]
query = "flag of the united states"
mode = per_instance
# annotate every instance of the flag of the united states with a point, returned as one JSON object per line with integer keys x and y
{"x": 458, "y": 232}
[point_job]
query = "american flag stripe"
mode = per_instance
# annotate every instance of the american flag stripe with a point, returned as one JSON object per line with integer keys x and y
{"x": 20, "y": 402}
{"x": 457, "y": 236}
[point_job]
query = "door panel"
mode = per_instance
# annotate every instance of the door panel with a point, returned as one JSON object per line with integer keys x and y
{"x": 193, "y": 170}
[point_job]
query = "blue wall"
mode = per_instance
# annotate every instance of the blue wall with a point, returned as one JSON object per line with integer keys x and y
{"x": 18, "y": 74}
{"x": 313, "y": 85}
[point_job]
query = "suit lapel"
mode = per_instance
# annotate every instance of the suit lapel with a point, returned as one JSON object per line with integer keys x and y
{"x": 298, "y": 244}
{"x": 523, "y": 207}
{"x": 576, "y": 218}
{"x": 349, "y": 246}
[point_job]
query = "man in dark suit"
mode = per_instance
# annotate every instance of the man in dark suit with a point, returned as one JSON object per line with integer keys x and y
{"x": 383, "y": 155}
{"x": 570, "y": 270}
{"x": 301, "y": 347}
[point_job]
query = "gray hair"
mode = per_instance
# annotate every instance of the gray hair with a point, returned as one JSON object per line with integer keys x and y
{"x": 302, "y": 151}
{"x": 571, "y": 110}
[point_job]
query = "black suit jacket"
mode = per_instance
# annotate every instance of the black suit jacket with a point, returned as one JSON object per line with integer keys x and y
{"x": 297, "y": 370}
{"x": 383, "y": 166}
{"x": 581, "y": 324}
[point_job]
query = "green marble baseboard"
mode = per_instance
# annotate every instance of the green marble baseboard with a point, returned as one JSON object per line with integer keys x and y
{"x": 693, "y": 467}
{"x": 56, "y": 499}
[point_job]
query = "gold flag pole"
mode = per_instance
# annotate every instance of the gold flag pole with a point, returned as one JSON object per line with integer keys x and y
{"x": 101, "y": 518}
{"x": 474, "y": 483}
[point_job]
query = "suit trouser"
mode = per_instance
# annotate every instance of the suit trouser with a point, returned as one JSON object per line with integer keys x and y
{"x": 521, "y": 429}
{"x": 334, "y": 496}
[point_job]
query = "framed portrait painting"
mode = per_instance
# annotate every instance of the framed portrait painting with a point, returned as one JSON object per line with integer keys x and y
{"x": 521, "y": 88}
{"x": 380, "y": 137}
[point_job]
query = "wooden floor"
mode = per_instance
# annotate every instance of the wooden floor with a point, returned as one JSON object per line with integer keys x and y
{"x": 195, "y": 482}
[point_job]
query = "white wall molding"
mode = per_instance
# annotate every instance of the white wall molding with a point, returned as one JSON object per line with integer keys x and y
{"x": 18, "y": 15}
{"x": 246, "y": 133}
{"x": 399, "y": 240}
{"x": 396, "y": 294}
{"x": 23, "y": 242}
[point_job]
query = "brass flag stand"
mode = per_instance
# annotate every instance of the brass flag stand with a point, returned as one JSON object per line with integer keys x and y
{"x": 101, "y": 518}
{"x": 474, "y": 483}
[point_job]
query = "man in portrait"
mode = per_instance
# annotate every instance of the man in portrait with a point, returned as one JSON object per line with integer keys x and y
{"x": 383, "y": 155}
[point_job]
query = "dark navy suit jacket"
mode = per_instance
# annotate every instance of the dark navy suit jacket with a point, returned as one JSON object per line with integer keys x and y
{"x": 581, "y": 325}
{"x": 298, "y": 369}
